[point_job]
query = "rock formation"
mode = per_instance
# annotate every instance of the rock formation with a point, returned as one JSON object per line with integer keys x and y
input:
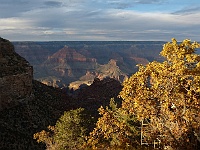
{"x": 16, "y": 76}
{"x": 110, "y": 70}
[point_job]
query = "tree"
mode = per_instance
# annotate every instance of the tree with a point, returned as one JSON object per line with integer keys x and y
{"x": 68, "y": 133}
{"x": 114, "y": 130}
{"x": 167, "y": 94}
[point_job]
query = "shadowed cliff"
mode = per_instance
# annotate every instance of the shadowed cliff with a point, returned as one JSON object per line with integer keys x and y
{"x": 16, "y": 76}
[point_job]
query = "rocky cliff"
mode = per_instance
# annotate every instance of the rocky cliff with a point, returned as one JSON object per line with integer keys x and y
{"x": 16, "y": 76}
{"x": 26, "y": 106}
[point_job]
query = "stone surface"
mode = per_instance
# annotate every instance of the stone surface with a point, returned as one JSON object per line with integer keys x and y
{"x": 16, "y": 77}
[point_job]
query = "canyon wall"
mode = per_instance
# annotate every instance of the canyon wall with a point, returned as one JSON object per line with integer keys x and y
{"x": 16, "y": 75}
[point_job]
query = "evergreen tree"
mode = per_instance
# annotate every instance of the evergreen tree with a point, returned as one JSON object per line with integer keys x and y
{"x": 68, "y": 133}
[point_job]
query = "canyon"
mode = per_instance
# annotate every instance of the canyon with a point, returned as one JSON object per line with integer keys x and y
{"x": 70, "y": 64}
{"x": 75, "y": 75}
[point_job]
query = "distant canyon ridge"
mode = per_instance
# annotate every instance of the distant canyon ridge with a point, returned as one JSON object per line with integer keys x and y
{"x": 77, "y": 63}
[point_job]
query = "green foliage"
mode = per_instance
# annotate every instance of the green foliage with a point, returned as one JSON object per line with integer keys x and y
{"x": 68, "y": 133}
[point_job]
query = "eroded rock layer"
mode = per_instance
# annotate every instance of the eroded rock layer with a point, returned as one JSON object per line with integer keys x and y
{"x": 16, "y": 77}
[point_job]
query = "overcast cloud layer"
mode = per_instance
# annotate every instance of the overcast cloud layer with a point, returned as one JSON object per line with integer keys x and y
{"x": 69, "y": 20}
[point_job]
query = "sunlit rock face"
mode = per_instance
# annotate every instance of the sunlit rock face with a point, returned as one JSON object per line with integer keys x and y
{"x": 16, "y": 76}
{"x": 64, "y": 66}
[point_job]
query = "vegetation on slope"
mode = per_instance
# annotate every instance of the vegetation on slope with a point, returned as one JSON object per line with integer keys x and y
{"x": 18, "y": 124}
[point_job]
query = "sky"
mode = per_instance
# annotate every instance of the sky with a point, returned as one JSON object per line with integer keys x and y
{"x": 99, "y": 20}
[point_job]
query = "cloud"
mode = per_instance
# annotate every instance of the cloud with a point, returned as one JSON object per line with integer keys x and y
{"x": 95, "y": 20}
{"x": 149, "y": 1}
{"x": 122, "y": 4}
{"x": 53, "y": 3}
{"x": 14, "y": 8}
{"x": 188, "y": 10}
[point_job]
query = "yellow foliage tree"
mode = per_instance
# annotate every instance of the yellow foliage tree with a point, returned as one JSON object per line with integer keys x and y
{"x": 114, "y": 130}
{"x": 168, "y": 95}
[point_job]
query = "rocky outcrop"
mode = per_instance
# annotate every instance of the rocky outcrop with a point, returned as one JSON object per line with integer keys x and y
{"x": 110, "y": 70}
{"x": 16, "y": 76}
